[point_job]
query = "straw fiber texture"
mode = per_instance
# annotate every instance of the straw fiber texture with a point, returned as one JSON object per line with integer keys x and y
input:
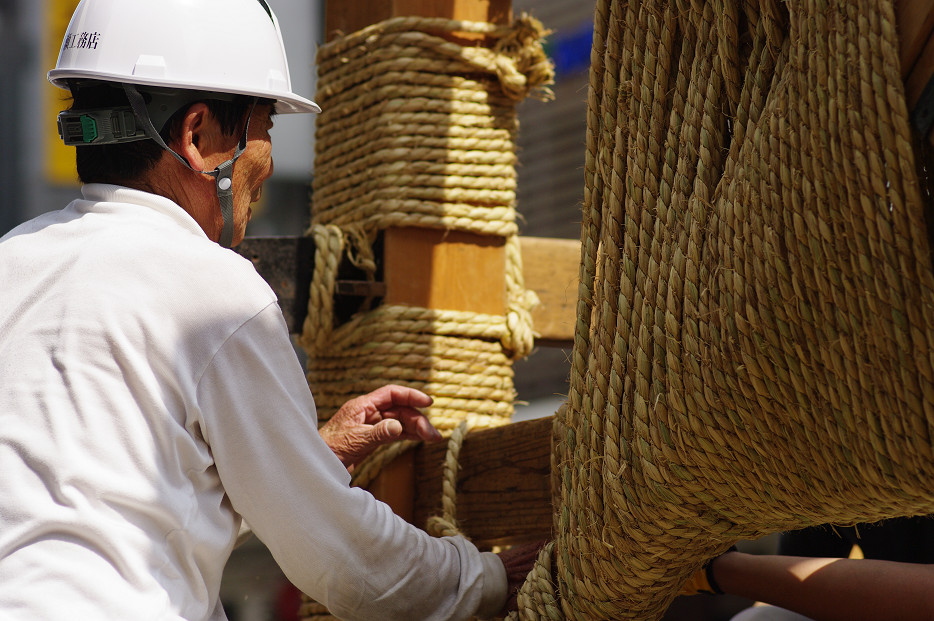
{"x": 419, "y": 131}
{"x": 753, "y": 350}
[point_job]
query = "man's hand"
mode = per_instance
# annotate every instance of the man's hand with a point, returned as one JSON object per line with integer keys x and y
{"x": 383, "y": 416}
{"x": 518, "y": 561}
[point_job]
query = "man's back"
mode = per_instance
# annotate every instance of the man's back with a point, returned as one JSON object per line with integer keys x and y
{"x": 110, "y": 312}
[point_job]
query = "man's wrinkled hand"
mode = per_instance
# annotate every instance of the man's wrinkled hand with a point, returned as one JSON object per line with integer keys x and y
{"x": 384, "y": 416}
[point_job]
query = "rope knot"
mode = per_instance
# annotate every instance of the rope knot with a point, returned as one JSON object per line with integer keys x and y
{"x": 527, "y": 70}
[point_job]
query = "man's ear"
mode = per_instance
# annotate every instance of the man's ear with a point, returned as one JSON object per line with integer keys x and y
{"x": 195, "y": 136}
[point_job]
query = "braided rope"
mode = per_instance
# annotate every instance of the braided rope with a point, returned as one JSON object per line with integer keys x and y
{"x": 445, "y": 525}
{"x": 537, "y": 599}
{"x": 753, "y": 350}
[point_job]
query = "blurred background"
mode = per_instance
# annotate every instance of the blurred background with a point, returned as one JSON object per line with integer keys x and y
{"x": 37, "y": 175}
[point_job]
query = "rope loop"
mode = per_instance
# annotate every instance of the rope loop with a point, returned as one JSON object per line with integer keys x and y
{"x": 445, "y": 525}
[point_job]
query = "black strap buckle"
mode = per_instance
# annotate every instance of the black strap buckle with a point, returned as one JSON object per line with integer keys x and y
{"x": 102, "y": 126}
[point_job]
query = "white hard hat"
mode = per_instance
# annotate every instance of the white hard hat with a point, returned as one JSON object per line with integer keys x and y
{"x": 223, "y": 46}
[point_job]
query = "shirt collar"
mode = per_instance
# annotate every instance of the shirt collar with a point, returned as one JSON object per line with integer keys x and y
{"x": 102, "y": 192}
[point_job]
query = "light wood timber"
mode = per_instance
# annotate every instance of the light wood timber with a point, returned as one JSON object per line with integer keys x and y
{"x": 551, "y": 268}
{"x": 459, "y": 271}
{"x": 445, "y": 270}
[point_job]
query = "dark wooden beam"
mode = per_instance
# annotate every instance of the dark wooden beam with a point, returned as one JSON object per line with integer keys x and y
{"x": 286, "y": 264}
{"x": 504, "y": 483}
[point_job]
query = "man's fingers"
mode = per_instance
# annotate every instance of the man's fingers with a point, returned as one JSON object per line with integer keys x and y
{"x": 351, "y": 410}
{"x": 427, "y": 431}
{"x": 372, "y": 407}
{"x": 386, "y": 430}
{"x": 394, "y": 396}
{"x": 416, "y": 425}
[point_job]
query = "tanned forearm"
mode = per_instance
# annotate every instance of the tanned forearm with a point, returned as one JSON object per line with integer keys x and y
{"x": 831, "y": 589}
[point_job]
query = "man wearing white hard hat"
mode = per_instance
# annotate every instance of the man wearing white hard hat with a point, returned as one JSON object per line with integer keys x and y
{"x": 150, "y": 399}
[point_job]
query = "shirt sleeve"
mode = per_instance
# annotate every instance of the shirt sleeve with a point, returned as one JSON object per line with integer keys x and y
{"x": 335, "y": 542}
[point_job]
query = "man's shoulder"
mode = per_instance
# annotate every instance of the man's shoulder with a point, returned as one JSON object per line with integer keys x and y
{"x": 212, "y": 273}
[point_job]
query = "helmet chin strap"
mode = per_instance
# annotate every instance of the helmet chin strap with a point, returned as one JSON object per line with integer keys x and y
{"x": 223, "y": 174}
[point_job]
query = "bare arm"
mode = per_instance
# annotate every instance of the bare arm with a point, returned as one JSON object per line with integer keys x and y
{"x": 830, "y": 589}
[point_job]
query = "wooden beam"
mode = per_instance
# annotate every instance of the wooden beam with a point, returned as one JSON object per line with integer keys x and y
{"x": 449, "y": 270}
{"x": 286, "y": 264}
{"x": 551, "y": 268}
{"x": 503, "y": 488}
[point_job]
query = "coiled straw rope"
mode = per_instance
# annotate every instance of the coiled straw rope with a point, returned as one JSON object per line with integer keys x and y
{"x": 756, "y": 313}
{"x": 418, "y": 131}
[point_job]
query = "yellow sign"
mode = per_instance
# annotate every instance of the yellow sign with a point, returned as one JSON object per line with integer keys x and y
{"x": 59, "y": 159}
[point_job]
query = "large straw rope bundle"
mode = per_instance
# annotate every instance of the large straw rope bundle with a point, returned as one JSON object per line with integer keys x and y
{"x": 419, "y": 131}
{"x": 754, "y": 344}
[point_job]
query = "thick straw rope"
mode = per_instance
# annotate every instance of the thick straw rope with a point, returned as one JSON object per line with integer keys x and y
{"x": 419, "y": 131}
{"x": 756, "y": 313}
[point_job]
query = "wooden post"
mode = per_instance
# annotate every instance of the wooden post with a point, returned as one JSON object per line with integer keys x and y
{"x": 426, "y": 267}
{"x": 447, "y": 270}
{"x": 551, "y": 268}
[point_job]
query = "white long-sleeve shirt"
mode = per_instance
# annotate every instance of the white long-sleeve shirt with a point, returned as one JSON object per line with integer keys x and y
{"x": 149, "y": 398}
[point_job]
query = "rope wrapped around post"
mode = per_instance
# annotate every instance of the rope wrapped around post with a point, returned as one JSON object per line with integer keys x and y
{"x": 419, "y": 131}
{"x": 756, "y": 314}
